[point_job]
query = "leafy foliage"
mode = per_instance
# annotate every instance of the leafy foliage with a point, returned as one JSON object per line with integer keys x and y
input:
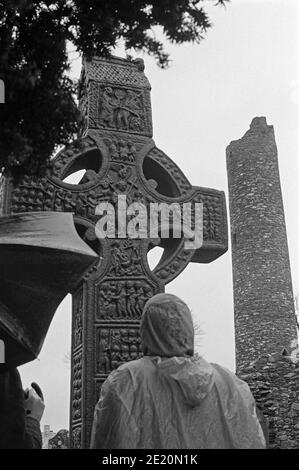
{"x": 40, "y": 112}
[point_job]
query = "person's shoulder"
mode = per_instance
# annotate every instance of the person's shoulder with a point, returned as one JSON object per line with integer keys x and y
{"x": 228, "y": 379}
{"x": 127, "y": 375}
{"x": 136, "y": 364}
{"x": 222, "y": 370}
{"x": 127, "y": 368}
{"x": 225, "y": 374}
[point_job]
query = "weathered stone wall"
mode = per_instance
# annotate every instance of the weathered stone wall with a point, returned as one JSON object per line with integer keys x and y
{"x": 263, "y": 297}
{"x": 274, "y": 382}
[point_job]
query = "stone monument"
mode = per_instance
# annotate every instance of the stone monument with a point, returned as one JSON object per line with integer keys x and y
{"x": 60, "y": 440}
{"x": 120, "y": 158}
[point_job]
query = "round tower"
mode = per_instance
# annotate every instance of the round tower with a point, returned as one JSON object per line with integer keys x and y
{"x": 263, "y": 298}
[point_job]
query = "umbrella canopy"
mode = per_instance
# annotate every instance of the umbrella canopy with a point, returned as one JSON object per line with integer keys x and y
{"x": 41, "y": 258}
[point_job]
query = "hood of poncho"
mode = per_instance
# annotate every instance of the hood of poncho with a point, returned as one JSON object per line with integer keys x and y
{"x": 167, "y": 327}
{"x": 167, "y": 335}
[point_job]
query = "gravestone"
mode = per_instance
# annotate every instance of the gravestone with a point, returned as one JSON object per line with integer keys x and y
{"x": 120, "y": 158}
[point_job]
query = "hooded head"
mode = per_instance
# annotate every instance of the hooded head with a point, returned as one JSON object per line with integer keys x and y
{"x": 166, "y": 327}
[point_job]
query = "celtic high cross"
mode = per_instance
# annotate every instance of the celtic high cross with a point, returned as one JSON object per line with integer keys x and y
{"x": 120, "y": 158}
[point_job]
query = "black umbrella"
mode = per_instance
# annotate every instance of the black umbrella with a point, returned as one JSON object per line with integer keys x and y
{"x": 41, "y": 258}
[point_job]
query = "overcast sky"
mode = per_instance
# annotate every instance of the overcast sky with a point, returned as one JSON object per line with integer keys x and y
{"x": 248, "y": 66}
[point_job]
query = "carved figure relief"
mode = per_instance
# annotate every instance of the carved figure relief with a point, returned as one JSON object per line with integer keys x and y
{"x": 125, "y": 258}
{"x": 123, "y": 151}
{"x": 121, "y": 109}
{"x": 116, "y": 346}
{"x": 123, "y": 299}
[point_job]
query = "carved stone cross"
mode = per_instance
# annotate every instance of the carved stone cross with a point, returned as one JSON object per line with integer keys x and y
{"x": 120, "y": 158}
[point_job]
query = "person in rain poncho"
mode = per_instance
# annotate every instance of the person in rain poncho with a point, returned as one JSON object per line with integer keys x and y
{"x": 171, "y": 399}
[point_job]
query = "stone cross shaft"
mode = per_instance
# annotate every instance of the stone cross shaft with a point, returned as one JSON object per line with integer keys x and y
{"x": 120, "y": 158}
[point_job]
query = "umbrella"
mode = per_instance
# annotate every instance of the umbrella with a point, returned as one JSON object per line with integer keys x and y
{"x": 41, "y": 259}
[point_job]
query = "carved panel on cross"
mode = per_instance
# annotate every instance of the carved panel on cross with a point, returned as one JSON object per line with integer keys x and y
{"x": 78, "y": 319}
{"x": 118, "y": 108}
{"x": 77, "y": 386}
{"x": 122, "y": 150}
{"x": 213, "y": 216}
{"x": 77, "y": 438}
{"x": 121, "y": 108}
{"x": 122, "y": 299}
{"x": 43, "y": 195}
{"x": 125, "y": 258}
{"x": 116, "y": 345}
